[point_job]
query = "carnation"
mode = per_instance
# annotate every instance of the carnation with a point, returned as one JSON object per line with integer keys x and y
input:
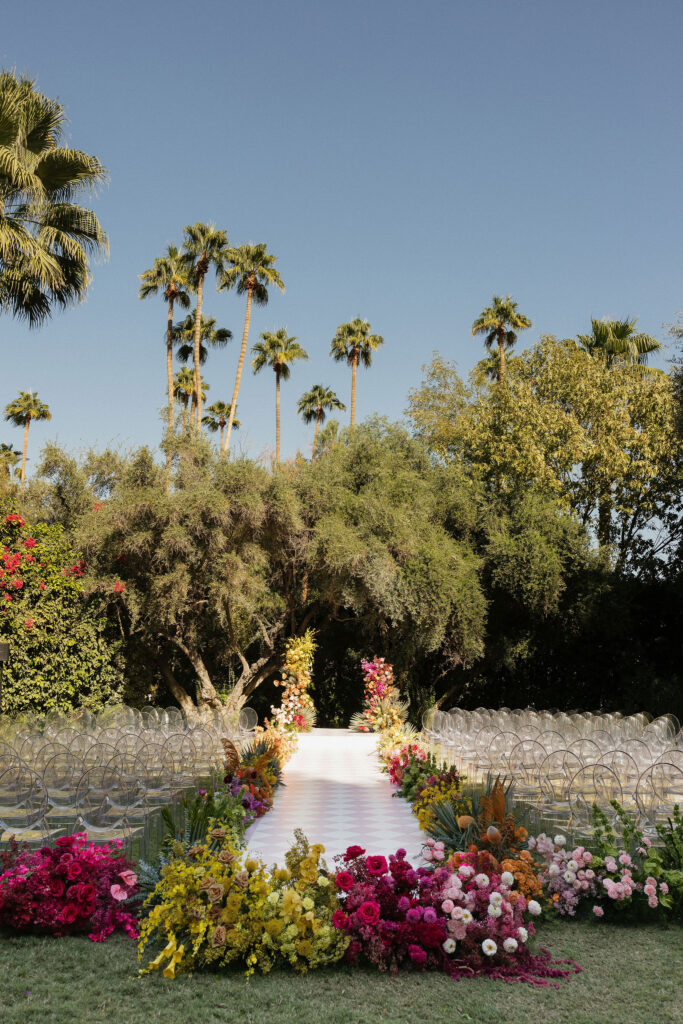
{"x": 507, "y": 878}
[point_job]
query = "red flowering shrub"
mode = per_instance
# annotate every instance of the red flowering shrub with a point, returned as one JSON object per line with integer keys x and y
{"x": 72, "y": 887}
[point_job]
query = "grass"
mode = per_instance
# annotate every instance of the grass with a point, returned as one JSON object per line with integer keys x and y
{"x": 631, "y": 975}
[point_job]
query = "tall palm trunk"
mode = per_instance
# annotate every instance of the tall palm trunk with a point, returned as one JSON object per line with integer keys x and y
{"x": 185, "y": 403}
{"x": 222, "y": 426}
{"x": 197, "y": 342}
{"x": 501, "y": 352}
{"x": 277, "y": 417}
{"x": 240, "y": 367}
{"x": 23, "y": 454}
{"x": 354, "y": 371}
{"x": 169, "y": 371}
{"x": 318, "y": 421}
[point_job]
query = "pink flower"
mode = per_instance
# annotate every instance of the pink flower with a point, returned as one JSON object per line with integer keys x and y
{"x": 624, "y": 859}
{"x": 340, "y": 920}
{"x": 447, "y": 906}
{"x": 652, "y": 902}
{"x": 118, "y": 892}
{"x": 649, "y": 890}
{"x": 368, "y": 912}
{"x": 129, "y": 877}
{"x": 664, "y": 888}
{"x": 430, "y": 915}
{"x": 438, "y": 854}
{"x": 598, "y": 911}
{"x": 344, "y": 880}
{"x": 377, "y": 866}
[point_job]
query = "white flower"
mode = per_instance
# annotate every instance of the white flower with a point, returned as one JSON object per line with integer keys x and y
{"x": 510, "y": 945}
{"x": 569, "y": 876}
{"x": 448, "y": 946}
{"x": 507, "y": 878}
{"x": 496, "y": 898}
{"x": 560, "y": 840}
{"x": 489, "y": 947}
{"x": 465, "y": 870}
{"x": 523, "y": 934}
{"x": 554, "y": 869}
{"x": 534, "y": 908}
{"x": 572, "y": 865}
{"x": 481, "y": 881}
{"x": 323, "y": 882}
{"x": 494, "y": 911}
{"x": 466, "y": 917}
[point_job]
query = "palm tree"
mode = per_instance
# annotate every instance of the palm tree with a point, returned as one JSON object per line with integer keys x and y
{"x": 209, "y": 335}
{"x": 168, "y": 275}
{"x": 46, "y": 237}
{"x": 279, "y": 351}
{"x": 251, "y": 269}
{"x": 183, "y": 389}
{"x": 204, "y": 247}
{"x": 354, "y": 343}
{"x": 216, "y": 418}
{"x": 20, "y": 412}
{"x": 8, "y": 460}
{"x": 314, "y": 405}
{"x": 617, "y": 339}
{"x": 499, "y": 322}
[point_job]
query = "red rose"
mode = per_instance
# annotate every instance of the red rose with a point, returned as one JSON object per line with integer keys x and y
{"x": 368, "y": 912}
{"x": 73, "y": 870}
{"x": 56, "y": 886}
{"x": 340, "y": 920}
{"x": 353, "y": 852}
{"x": 70, "y": 913}
{"x": 344, "y": 880}
{"x": 377, "y": 866}
{"x": 65, "y": 841}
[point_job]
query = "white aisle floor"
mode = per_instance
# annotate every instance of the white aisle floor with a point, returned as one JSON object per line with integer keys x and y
{"x": 335, "y": 792}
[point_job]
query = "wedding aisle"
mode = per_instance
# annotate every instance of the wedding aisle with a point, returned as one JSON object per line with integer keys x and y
{"x": 335, "y": 792}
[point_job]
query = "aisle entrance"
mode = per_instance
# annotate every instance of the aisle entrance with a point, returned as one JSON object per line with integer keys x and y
{"x": 335, "y": 792}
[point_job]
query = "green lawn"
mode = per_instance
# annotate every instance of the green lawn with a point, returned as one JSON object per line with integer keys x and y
{"x": 631, "y": 975}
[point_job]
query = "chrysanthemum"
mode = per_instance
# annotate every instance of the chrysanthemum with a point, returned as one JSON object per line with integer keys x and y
{"x": 448, "y": 946}
{"x": 481, "y": 881}
{"x": 523, "y": 934}
{"x": 510, "y": 945}
{"x": 507, "y": 878}
{"x": 489, "y": 947}
{"x": 466, "y": 917}
{"x": 534, "y": 908}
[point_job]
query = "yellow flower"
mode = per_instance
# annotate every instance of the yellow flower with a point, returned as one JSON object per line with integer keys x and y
{"x": 307, "y": 903}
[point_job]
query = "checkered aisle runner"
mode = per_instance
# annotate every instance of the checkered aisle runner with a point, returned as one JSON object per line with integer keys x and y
{"x": 335, "y": 792}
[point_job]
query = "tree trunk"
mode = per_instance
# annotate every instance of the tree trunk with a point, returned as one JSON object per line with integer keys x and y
{"x": 206, "y": 692}
{"x": 501, "y": 354}
{"x": 193, "y": 412}
{"x": 23, "y": 454}
{"x": 318, "y": 421}
{"x": 604, "y": 519}
{"x": 185, "y": 401}
{"x": 197, "y": 342}
{"x": 222, "y": 426}
{"x": 277, "y": 417}
{"x": 354, "y": 370}
{"x": 240, "y": 366}
{"x": 179, "y": 692}
{"x": 169, "y": 371}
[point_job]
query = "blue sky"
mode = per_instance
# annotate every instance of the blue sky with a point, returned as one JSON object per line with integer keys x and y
{"x": 404, "y": 161}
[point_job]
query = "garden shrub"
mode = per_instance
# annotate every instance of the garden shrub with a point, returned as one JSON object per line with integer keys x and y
{"x": 62, "y": 651}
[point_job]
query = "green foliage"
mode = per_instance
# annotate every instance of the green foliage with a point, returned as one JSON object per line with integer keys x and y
{"x": 62, "y": 652}
{"x": 671, "y": 838}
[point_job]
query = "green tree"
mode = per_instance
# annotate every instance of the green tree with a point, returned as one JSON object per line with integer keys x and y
{"x": 277, "y": 350}
{"x": 500, "y": 322}
{"x": 46, "y": 237}
{"x": 168, "y": 275}
{"x": 314, "y": 405}
{"x": 20, "y": 412}
{"x": 210, "y": 336}
{"x": 8, "y": 460}
{"x": 216, "y": 418}
{"x": 613, "y": 340}
{"x": 204, "y": 247}
{"x": 353, "y": 343}
{"x": 184, "y": 390}
{"x": 251, "y": 270}
{"x": 63, "y": 653}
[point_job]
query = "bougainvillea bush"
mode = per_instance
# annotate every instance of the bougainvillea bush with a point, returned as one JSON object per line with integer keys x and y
{"x": 62, "y": 652}
{"x": 75, "y": 886}
{"x": 462, "y": 917}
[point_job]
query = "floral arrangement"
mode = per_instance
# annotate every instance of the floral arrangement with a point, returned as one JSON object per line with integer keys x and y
{"x": 283, "y": 741}
{"x": 74, "y": 886}
{"x": 216, "y": 906}
{"x": 406, "y": 765}
{"x": 457, "y": 918}
{"x": 297, "y": 710}
{"x": 255, "y": 777}
{"x": 383, "y": 708}
{"x": 444, "y": 787}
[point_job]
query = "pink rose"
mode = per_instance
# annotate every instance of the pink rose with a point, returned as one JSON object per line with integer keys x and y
{"x": 598, "y": 911}
{"x": 377, "y": 866}
{"x": 664, "y": 888}
{"x": 653, "y": 902}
